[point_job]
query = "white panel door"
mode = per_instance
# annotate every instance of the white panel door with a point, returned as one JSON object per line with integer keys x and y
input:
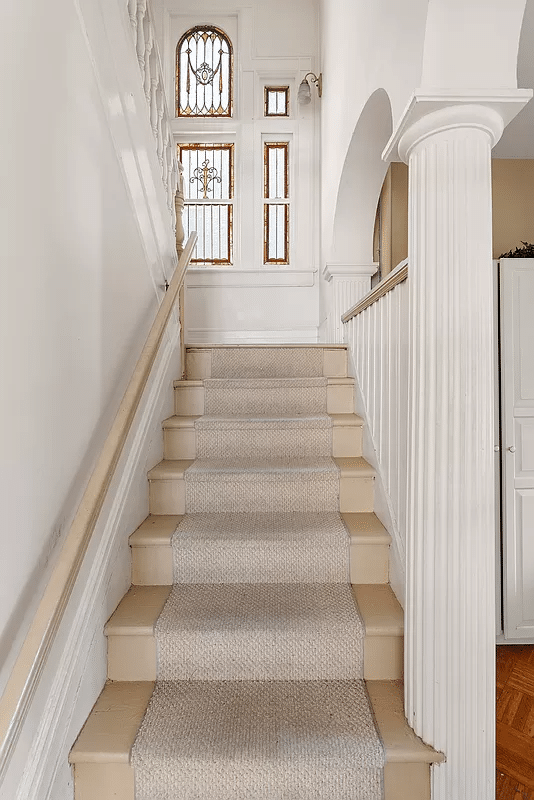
{"x": 517, "y": 376}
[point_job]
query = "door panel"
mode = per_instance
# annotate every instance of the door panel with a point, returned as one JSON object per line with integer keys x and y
{"x": 517, "y": 382}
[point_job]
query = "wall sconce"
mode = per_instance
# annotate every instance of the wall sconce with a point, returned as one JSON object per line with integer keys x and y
{"x": 304, "y": 92}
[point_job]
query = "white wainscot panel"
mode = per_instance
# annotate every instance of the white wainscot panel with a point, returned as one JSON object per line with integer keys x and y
{"x": 525, "y": 518}
{"x": 525, "y": 448}
{"x": 235, "y": 306}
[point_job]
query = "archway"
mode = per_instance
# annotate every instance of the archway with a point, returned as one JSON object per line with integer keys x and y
{"x": 361, "y": 182}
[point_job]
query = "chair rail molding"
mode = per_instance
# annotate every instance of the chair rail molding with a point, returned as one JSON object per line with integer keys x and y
{"x": 446, "y": 137}
{"x": 349, "y": 283}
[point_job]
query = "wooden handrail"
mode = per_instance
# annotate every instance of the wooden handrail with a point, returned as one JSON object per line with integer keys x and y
{"x": 396, "y": 276}
{"x": 24, "y": 678}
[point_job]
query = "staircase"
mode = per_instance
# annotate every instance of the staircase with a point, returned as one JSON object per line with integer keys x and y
{"x": 262, "y": 457}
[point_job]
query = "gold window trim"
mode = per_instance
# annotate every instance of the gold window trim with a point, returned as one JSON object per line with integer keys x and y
{"x": 285, "y": 90}
{"x": 266, "y": 259}
{"x": 209, "y": 202}
{"x": 266, "y": 174}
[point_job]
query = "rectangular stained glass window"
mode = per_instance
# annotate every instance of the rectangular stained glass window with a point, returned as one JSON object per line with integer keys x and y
{"x": 276, "y": 205}
{"x": 277, "y": 101}
{"x": 209, "y": 192}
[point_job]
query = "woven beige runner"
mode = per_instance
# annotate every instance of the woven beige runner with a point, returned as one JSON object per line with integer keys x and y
{"x": 260, "y": 692}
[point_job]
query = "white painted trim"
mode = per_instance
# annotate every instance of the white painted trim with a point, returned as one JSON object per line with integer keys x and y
{"x": 50, "y": 744}
{"x": 242, "y": 279}
{"x": 279, "y": 336}
{"x": 383, "y": 507}
{"x": 454, "y": 108}
{"x": 337, "y": 269}
{"x": 130, "y": 133}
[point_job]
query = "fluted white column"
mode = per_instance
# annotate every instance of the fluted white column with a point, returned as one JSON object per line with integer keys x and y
{"x": 450, "y": 627}
{"x": 349, "y": 282}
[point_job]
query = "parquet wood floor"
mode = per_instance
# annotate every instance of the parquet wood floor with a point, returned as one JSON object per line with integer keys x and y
{"x": 515, "y": 722}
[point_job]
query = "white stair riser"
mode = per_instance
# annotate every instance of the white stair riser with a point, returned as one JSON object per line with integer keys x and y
{"x": 181, "y": 443}
{"x": 169, "y": 497}
{"x": 133, "y": 657}
{"x": 189, "y": 400}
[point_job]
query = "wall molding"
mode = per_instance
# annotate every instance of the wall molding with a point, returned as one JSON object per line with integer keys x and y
{"x": 224, "y": 336}
{"x": 248, "y": 278}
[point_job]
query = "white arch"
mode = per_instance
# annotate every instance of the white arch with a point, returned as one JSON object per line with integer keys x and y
{"x": 361, "y": 182}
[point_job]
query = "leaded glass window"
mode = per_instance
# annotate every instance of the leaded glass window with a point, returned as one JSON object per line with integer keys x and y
{"x": 209, "y": 193}
{"x": 276, "y": 101}
{"x": 276, "y": 203}
{"x": 204, "y": 73}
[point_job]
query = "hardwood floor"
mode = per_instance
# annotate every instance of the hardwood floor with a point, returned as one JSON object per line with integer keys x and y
{"x": 515, "y": 722}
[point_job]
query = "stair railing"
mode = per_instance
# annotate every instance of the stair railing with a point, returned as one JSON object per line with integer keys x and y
{"x": 24, "y": 679}
{"x": 376, "y": 332}
{"x": 144, "y": 38}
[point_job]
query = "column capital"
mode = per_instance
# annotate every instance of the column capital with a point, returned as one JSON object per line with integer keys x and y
{"x": 338, "y": 269}
{"x": 432, "y": 111}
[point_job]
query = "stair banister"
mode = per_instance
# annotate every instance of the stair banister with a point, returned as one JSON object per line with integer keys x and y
{"x": 375, "y": 330}
{"x": 396, "y": 276}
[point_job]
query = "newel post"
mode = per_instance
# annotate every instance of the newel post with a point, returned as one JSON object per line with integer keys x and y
{"x": 179, "y": 205}
{"x": 446, "y": 139}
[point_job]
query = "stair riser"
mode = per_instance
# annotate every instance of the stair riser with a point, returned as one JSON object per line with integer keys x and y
{"x": 133, "y": 658}
{"x": 199, "y": 364}
{"x": 115, "y": 781}
{"x": 112, "y": 781}
{"x": 181, "y": 443}
{"x": 152, "y": 566}
{"x": 190, "y": 400}
{"x": 355, "y": 494}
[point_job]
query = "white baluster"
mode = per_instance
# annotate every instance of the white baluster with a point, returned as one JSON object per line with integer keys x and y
{"x": 132, "y": 13}
{"x": 160, "y": 101}
{"x": 140, "y": 47}
{"x": 148, "y": 73}
{"x": 154, "y": 83}
{"x": 179, "y": 208}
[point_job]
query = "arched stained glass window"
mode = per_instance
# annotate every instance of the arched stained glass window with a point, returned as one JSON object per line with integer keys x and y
{"x": 204, "y": 73}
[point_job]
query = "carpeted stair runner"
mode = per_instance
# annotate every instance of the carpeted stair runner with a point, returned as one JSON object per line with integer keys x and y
{"x": 260, "y": 692}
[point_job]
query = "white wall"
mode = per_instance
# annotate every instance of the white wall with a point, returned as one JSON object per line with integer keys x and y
{"x": 275, "y": 43}
{"x": 86, "y": 239}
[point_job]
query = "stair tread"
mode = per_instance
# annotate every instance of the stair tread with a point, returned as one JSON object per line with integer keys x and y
{"x": 188, "y": 421}
{"x": 112, "y": 725}
{"x": 348, "y": 467}
{"x": 259, "y": 346}
{"x": 111, "y": 728}
{"x": 381, "y": 612}
{"x": 399, "y": 740}
{"x": 296, "y": 603}
{"x": 140, "y": 607}
{"x": 138, "y": 611}
{"x": 363, "y": 528}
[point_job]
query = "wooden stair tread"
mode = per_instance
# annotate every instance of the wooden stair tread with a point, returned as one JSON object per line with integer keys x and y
{"x": 111, "y": 728}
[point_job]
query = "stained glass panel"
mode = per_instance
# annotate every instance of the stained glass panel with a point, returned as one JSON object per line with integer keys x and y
{"x": 204, "y": 73}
